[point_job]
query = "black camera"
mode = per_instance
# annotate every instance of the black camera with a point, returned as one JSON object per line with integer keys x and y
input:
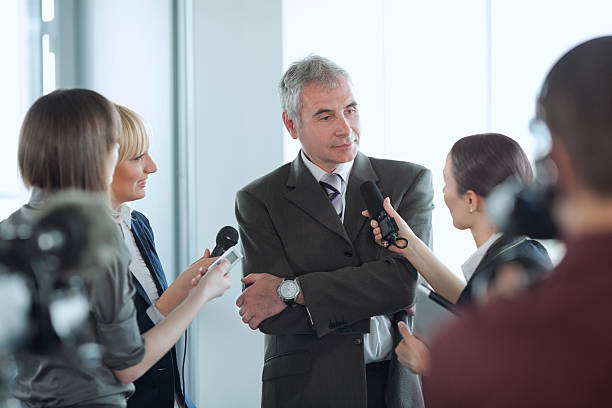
{"x": 46, "y": 263}
{"x": 517, "y": 209}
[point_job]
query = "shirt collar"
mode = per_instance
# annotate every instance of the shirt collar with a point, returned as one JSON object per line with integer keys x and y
{"x": 469, "y": 266}
{"x": 125, "y": 215}
{"x": 38, "y": 197}
{"x": 343, "y": 169}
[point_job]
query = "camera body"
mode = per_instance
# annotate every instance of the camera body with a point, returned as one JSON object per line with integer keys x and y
{"x": 47, "y": 263}
{"x": 43, "y": 291}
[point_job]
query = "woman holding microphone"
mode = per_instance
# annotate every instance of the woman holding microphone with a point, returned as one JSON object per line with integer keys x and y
{"x": 474, "y": 166}
{"x": 69, "y": 141}
{"x": 154, "y": 299}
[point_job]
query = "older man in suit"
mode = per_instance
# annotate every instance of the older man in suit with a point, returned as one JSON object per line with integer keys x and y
{"x": 327, "y": 297}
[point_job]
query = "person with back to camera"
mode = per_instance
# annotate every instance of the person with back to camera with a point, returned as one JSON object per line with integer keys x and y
{"x": 474, "y": 166}
{"x": 69, "y": 140}
{"x": 160, "y": 386}
{"x": 550, "y": 346}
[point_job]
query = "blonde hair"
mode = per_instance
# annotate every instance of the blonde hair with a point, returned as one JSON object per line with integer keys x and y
{"x": 134, "y": 138}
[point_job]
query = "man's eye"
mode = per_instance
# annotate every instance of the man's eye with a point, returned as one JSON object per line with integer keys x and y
{"x": 351, "y": 110}
{"x": 328, "y": 117}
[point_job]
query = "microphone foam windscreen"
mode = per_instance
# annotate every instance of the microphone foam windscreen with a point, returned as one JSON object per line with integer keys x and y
{"x": 372, "y": 197}
{"x": 227, "y": 237}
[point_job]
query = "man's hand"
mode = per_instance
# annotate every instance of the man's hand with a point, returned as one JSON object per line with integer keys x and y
{"x": 260, "y": 300}
{"x": 411, "y": 352}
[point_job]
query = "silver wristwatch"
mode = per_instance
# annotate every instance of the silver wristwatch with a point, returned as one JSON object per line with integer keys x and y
{"x": 288, "y": 291}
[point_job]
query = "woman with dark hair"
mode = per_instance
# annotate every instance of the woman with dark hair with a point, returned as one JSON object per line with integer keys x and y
{"x": 474, "y": 166}
{"x": 69, "y": 140}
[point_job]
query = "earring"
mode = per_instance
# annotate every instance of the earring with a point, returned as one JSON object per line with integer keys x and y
{"x": 471, "y": 210}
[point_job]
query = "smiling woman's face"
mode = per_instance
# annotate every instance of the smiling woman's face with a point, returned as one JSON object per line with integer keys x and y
{"x": 130, "y": 179}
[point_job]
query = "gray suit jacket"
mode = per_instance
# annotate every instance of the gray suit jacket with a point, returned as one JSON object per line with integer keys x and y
{"x": 288, "y": 227}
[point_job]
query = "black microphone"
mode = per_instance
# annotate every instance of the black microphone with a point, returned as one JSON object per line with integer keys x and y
{"x": 442, "y": 301}
{"x": 227, "y": 237}
{"x": 374, "y": 202}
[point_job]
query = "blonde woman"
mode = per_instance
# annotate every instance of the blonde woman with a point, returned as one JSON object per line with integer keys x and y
{"x": 154, "y": 299}
{"x": 69, "y": 140}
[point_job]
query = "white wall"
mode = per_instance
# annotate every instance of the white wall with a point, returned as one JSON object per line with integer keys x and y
{"x": 125, "y": 50}
{"x": 238, "y": 62}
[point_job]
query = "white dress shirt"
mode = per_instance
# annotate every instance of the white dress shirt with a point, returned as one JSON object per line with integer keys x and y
{"x": 141, "y": 272}
{"x": 378, "y": 344}
{"x": 138, "y": 267}
{"x": 469, "y": 266}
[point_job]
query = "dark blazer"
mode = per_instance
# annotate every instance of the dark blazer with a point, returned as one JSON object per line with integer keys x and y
{"x": 530, "y": 253}
{"x": 156, "y": 387}
{"x": 288, "y": 227}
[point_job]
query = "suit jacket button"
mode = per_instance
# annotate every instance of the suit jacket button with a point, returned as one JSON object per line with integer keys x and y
{"x": 357, "y": 341}
{"x": 348, "y": 253}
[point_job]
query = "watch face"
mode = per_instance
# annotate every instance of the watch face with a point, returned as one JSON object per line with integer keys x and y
{"x": 288, "y": 289}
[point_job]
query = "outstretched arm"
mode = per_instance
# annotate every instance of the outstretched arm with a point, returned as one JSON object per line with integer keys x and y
{"x": 420, "y": 256}
{"x": 179, "y": 289}
{"x": 162, "y": 337}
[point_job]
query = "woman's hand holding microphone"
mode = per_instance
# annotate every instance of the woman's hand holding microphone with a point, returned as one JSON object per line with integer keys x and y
{"x": 212, "y": 282}
{"x": 404, "y": 230}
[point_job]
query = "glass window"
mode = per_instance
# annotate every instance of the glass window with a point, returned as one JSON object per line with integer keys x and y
{"x": 429, "y": 73}
{"x": 14, "y": 101}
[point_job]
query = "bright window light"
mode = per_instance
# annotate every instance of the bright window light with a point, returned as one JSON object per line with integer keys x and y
{"x": 48, "y": 62}
{"x": 429, "y": 73}
{"x": 12, "y": 191}
{"x": 47, "y": 10}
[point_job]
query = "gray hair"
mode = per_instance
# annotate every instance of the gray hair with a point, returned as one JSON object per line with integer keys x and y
{"x": 313, "y": 68}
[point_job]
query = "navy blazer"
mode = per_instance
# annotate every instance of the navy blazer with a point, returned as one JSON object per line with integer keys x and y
{"x": 156, "y": 387}
{"x": 528, "y": 252}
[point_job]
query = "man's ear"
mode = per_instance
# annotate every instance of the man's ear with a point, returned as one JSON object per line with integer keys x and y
{"x": 290, "y": 126}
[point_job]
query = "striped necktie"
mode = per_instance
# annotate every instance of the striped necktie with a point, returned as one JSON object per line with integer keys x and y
{"x": 332, "y": 183}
